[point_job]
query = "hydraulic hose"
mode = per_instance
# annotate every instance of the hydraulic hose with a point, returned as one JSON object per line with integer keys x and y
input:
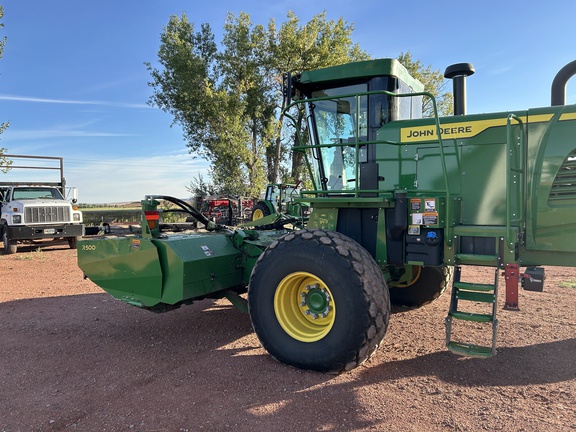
{"x": 188, "y": 208}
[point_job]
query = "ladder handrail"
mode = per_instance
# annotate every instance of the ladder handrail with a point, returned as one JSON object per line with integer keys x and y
{"x": 357, "y": 143}
{"x": 515, "y": 152}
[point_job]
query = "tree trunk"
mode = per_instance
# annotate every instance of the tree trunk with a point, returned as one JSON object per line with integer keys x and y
{"x": 298, "y": 157}
{"x": 278, "y": 154}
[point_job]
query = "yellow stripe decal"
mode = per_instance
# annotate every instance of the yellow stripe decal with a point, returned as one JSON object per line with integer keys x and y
{"x": 540, "y": 118}
{"x": 463, "y": 129}
{"x": 568, "y": 116}
{"x": 448, "y": 130}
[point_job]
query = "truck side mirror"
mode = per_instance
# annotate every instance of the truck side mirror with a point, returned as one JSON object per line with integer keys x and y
{"x": 72, "y": 195}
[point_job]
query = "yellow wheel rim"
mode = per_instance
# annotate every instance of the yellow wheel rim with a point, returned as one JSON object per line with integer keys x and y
{"x": 416, "y": 271}
{"x": 304, "y": 307}
{"x": 257, "y": 214}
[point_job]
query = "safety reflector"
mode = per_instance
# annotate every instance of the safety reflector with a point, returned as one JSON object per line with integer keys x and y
{"x": 152, "y": 217}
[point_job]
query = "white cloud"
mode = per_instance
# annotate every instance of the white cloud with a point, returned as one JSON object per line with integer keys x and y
{"x": 130, "y": 179}
{"x": 16, "y": 98}
{"x": 23, "y": 135}
{"x": 109, "y": 179}
{"x": 499, "y": 70}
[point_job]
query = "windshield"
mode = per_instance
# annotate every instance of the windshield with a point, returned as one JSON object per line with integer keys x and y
{"x": 36, "y": 193}
{"x": 344, "y": 121}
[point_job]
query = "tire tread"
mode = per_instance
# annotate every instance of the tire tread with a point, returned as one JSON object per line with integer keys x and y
{"x": 375, "y": 291}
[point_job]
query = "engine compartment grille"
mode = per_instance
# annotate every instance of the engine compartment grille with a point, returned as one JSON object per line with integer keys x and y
{"x": 50, "y": 214}
{"x": 563, "y": 190}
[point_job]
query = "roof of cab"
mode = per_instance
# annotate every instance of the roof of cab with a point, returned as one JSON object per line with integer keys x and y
{"x": 363, "y": 69}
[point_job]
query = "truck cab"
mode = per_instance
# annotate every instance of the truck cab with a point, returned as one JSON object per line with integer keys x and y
{"x": 34, "y": 211}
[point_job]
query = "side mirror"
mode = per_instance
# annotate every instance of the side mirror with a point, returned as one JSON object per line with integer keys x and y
{"x": 72, "y": 195}
{"x": 342, "y": 107}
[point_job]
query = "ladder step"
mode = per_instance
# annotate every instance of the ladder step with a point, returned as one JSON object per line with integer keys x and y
{"x": 470, "y": 350}
{"x": 479, "y": 293}
{"x": 474, "y": 286}
{"x": 477, "y": 259}
{"x": 476, "y": 296}
{"x": 468, "y": 316}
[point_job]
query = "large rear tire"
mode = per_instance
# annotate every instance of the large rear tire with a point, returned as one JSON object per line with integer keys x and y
{"x": 427, "y": 285}
{"x": 318, "y": 301}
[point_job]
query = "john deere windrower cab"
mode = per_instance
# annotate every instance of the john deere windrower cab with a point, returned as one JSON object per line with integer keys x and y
{"x": 398, "y": 201}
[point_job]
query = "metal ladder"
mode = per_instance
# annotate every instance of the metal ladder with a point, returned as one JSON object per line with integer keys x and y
{"x": 480, "y": 294}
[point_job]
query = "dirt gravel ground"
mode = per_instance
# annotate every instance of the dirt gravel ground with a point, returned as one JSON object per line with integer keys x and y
{"x": 72, "y": 358}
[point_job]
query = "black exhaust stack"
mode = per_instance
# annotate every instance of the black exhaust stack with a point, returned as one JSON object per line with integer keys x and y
{"x": 559, "y": 83}
{"x": 458, "y": 73}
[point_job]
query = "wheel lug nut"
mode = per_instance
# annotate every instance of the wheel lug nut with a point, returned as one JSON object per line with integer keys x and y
{"x": 312, "y": 314}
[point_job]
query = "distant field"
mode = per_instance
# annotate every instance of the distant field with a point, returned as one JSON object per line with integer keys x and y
{"x": 96, "y": 216}
{"x": 124, "y": 215}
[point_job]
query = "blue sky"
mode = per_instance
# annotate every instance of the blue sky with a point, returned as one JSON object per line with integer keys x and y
{"x": 73, "y": 81}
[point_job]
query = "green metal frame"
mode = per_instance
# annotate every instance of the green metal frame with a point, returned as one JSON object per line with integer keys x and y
{"x": 523, "y": 142}
{"x": 492, "y": 182}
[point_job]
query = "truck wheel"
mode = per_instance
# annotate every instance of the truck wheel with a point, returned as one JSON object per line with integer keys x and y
{"x": 73, "y": 242}
{"x": 318, "y": 300}
{"x": 10, "y": 246}
{"x": 427, "y": 285}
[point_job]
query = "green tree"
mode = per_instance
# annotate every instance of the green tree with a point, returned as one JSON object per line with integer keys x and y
{"x": 212, "y": 96}
{"x": 4, "y": 162}
{"x": 230, "y": 103}
{"x": 297, "y": 47}
{"x": 434, "y": 83}
{"x": 244, "y": 77}
{"x": 203, "y": 188}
